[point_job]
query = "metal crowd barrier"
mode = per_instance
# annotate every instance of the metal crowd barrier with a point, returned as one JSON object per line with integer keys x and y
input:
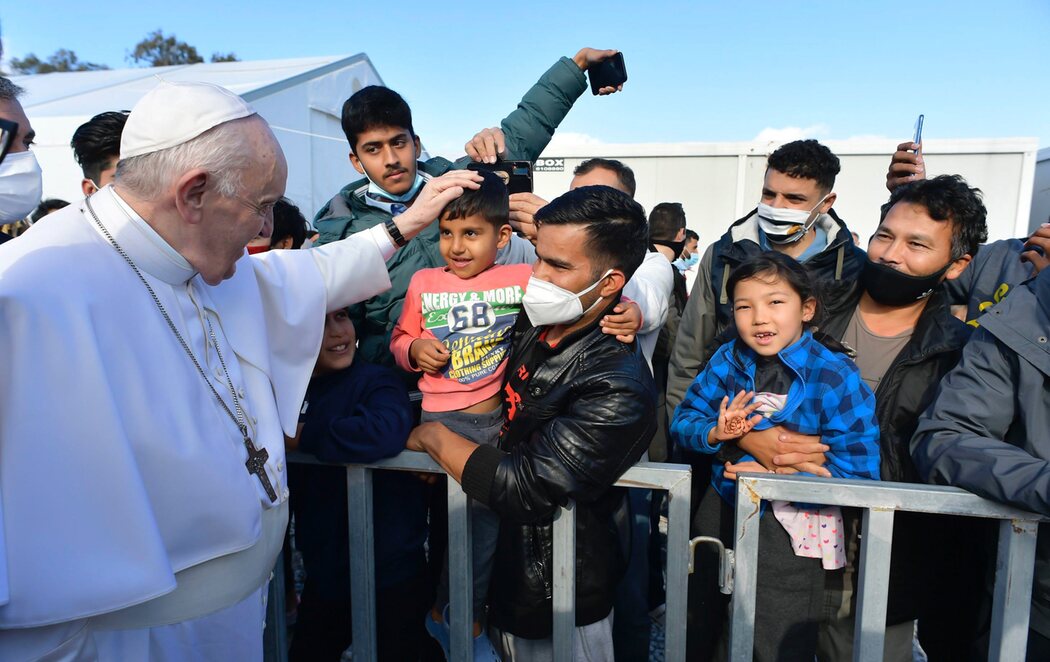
{"x": 1014, "y": 563}
{"x": 671, "y": 477}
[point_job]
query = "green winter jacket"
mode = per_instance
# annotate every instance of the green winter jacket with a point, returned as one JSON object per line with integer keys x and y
{"x": 527, "y": 131}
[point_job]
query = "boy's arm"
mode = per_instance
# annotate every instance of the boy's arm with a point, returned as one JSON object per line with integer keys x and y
{"x": 371, "y": 429}
{"x": 409, "y": 327}
{"x": 849, "y": 427}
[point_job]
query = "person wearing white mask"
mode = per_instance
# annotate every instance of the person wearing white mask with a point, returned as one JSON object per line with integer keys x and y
{"x": 579, "y": 408}
{"x": 21, "y": 184}
{"x": 144, "y": 500}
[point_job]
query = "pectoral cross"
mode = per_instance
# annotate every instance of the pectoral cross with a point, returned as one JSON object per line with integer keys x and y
{"x": 256, "y": 464}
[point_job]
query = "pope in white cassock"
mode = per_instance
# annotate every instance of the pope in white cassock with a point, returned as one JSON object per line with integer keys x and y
{"x": 153, "y": 370}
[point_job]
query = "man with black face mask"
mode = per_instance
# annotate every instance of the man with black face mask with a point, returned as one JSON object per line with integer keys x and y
{"x": 898, "y": 319}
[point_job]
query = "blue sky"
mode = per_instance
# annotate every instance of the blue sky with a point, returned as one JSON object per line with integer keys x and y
{"x": 699, "y": 71}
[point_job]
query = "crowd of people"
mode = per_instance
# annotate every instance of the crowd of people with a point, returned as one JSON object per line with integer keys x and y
{"x": 181, "y": 330}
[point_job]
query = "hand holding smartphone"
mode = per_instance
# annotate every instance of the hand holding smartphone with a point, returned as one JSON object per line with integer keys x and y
{"x": 610, "y": 72}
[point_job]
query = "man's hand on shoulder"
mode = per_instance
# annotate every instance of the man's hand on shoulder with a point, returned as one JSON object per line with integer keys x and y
{"x": 587, "y": 57}
{"x": 623, "y": 322}
{"x": 906, "y": 165}
{"x": 487, "y": 146}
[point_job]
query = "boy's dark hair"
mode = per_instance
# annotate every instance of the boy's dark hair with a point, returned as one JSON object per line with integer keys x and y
{"x": 772, "y": 265}
{"x": 288, "y": 221}
{"x": 617, "y": 232}
{"x": 491, "y": 202}
{"x": 806, "y": 159}
{"x": 96, "y": 143}
{"x": 689, "y": 234}
{"x": 623, "y": 173}
{"x": 46, "y": 207}
{"x": 665, "y": 220}
{"x": 948, "y": 198}
{"x": 371, "y": 107}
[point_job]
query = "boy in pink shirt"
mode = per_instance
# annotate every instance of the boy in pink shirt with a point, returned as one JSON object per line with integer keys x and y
{"x": 457, "y": 327}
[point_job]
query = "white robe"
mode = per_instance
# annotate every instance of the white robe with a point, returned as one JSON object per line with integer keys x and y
{"x": 118, "y": 468}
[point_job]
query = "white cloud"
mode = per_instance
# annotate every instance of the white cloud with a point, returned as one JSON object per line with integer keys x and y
{"x": 569, "y": 139}
{"x": 789, "y": 133}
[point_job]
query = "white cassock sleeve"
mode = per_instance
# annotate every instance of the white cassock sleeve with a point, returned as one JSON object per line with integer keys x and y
{"x": 650, "y": 287}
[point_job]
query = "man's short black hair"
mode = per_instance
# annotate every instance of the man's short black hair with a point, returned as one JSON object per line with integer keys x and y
{"x": 96, "y": 143}
{"x": 46, "y": 207}
{"x": 948, "y": 198}
{"x": 690, "y": 234}
{"x": 806, "y": 159}
{"x": 288, "y": 221}
{"x": 491, "y": 201}
{"x": 623, "y": 173}
{"x": 666, "y": 220}
{"x": 617, "y": 233}
{"x": 371, "y": 107}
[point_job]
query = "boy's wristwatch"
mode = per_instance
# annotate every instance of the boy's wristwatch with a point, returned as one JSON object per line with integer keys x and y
{"x": 395, "y": 234}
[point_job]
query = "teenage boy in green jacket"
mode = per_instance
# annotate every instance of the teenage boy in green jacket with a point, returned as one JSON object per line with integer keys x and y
{"x": 384, "y": 148}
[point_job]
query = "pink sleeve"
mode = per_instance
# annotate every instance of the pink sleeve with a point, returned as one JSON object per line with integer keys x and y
{"x": 409, "y": 327}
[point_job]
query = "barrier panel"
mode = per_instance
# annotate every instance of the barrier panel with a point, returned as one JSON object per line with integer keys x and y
{"x": 673, "y": 478}
{"x": 880, "y": 500}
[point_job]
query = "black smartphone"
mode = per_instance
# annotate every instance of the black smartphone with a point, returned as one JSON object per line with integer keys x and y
{"x": 607, "y": 73}
{"x": 517, "y": 175}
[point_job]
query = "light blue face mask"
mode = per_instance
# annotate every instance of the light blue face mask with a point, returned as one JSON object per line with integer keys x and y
{"x": 377, "y": 191}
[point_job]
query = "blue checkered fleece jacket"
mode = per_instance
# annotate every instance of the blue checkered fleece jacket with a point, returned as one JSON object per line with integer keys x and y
{"x": 828, "y": 398}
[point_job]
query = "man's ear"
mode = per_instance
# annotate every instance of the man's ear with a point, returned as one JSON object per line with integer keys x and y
{"x": 680, "y": 236}
{"x": 958, "y": 266}
{"x": 356, "y": 162}
{"x": 419, "y": 147}
{"x": 828, "y": 203}
{"x": 505, "y": 231}
{"x": 87, "y": 186}
{"x": 613, "y": 283}
{"x": 189, "y": 195}
{"x": 283, "y": 244}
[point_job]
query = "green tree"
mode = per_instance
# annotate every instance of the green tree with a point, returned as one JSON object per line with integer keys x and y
{"x": 158, "y": 50}
{"x": 60, "y": 60}
{"x": 224, "y": 57}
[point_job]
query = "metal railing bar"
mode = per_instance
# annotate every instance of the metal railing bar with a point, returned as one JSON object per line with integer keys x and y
{"x": 742, "y": 606}
{"x": 362, "y": 562}
{"x": 678, "y": 558}
{"x": 873, "y": 584}
{"x": 1014, "y": 570}
{"x": 460, "y": 574}
{"x": 912, "y": 497}
{"x": 563, "y": 575}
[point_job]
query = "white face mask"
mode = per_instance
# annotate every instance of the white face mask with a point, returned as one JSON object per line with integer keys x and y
{"x": 786, "y": 226}
{"x": 377, "y": 190}
{"x": 546, "y": 304}
{"x": 21, "y": 186}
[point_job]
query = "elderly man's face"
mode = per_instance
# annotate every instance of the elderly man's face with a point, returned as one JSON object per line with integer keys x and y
{"x": 12, "y": 111}
{"x": 234, "y": 221}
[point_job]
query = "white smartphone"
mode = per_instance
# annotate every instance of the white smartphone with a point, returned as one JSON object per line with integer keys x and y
{"x": 918, "y": 131}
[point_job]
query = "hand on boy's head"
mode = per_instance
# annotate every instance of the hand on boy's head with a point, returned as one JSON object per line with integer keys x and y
{"x": 623, "y": 322}
{"x": 487, "y": 146}
{"x": 523, "y": 208}
{"x": 906, "y": 165}
{"x": 438, "y": 192}
{"x": 429, "y": 355}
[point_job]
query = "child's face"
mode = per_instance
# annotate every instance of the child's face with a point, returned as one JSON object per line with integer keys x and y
{"x": 338, "y": 344}
{"x": 469, "y": 245}
{"x": 769, "y": 313}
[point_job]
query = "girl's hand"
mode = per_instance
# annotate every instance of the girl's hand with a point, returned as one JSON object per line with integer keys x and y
{"x": 734, "y": 418}
{"x": 731, "y": 470}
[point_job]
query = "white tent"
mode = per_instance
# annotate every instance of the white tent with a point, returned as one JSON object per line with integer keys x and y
{"x": 301, "y": 98}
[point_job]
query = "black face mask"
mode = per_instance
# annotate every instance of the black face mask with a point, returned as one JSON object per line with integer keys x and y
{"x": 675, "y": 246}
{"x": 891, "y": 287}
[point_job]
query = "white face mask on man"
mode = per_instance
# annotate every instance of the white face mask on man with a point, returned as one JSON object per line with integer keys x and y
{"x": 546, "y": 304}
{"x": 21, "y": 186}
{"x": 786, "y": 226}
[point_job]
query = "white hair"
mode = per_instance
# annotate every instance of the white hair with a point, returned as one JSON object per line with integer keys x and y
{"x": 222, "y": 151}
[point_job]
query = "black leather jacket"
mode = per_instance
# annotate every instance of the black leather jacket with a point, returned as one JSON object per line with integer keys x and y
{"x": 586, "y": 416}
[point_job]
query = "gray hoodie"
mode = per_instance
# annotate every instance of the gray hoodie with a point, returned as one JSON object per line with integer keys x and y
{"x": 988, "y": 430}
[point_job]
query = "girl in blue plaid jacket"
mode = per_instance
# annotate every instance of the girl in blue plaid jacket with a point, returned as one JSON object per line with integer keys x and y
{"x": 774, "y": 373}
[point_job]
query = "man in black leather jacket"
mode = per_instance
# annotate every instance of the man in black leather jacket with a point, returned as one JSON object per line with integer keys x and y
{"x": 579, "y": 411}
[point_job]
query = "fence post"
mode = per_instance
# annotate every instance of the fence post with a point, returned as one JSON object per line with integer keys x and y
{"x": 460, "y": 574}
{"x": 678, "y": 550}
{"x": 362, "y": 562}
{"x": 1014, "y": 569}
{"x": 563, "y": 575}
{"x": 275, "y": 636}
{"x": 742, "y": 620}
{"x": 873, "y": 585}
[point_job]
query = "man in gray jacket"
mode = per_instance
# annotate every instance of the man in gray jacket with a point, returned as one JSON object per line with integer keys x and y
{"x": 987, "y": 430}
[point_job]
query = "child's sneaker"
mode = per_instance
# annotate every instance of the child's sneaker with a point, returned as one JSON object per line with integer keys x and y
{"x": 484, "y": 651}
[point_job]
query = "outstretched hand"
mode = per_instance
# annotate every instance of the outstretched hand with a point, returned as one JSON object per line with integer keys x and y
{"x": 438, "y": 192}
{"x": 487, "y": 146}
{"x": 587, "y": 57}
{"x": 734, "y": 417}
{"x": 906, "y": 165}
{"x": 523, "y": 208}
